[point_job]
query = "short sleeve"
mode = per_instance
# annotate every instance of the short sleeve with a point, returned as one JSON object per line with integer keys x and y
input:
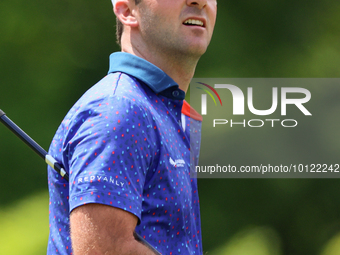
{"x": 110, "y": 150}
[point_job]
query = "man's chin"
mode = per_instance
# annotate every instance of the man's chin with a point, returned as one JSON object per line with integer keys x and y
{"x": 198, "y": 46}
{"x": 196, "y": 50}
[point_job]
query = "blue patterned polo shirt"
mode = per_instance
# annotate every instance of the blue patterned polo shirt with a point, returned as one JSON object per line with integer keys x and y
{"x": 126, "y": 143}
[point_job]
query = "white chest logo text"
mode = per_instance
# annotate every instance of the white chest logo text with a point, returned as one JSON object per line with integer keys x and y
{"x": 177, "y": 162}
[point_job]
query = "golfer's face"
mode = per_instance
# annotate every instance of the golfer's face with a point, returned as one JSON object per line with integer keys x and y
{"x": 181, "y": 26}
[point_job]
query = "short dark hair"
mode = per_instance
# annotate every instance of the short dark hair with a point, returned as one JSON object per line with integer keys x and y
{"x": 120, "y": 27}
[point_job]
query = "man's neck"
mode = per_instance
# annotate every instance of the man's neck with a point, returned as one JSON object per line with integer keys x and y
{"x": 180, "y": 68}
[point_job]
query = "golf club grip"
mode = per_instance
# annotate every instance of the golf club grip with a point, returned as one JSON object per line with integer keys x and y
{"x": 142, "y": 240}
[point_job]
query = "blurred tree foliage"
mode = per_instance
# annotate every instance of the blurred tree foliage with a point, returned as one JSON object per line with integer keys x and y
{"x": 53, "y": 51}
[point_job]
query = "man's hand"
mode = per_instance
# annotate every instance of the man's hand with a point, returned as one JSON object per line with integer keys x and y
{"x": 101, "y": 229}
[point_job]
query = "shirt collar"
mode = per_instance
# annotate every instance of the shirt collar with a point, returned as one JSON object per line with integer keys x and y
{"x": 146, "y": 72}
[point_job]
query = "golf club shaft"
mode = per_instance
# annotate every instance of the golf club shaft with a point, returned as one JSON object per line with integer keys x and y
{"x": 32, "y": 144}
{"x": 50, "y": 160}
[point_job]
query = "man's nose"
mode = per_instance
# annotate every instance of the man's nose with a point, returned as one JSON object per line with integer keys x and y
{"x": 198, "y": 3}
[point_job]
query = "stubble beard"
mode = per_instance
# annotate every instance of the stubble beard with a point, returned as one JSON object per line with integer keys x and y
{"x": 166, "y": 42}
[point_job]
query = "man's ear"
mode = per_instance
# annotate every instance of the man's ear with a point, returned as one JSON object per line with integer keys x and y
{"x": 124, "y": 12}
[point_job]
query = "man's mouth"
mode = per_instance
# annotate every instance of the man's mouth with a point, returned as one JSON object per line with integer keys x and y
{"x": 194, "y": 22}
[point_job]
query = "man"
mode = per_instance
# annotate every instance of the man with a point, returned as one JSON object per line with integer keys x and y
{"x": 126, "y": 142}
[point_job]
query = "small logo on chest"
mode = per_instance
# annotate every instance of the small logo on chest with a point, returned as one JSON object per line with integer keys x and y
{"x": 177, "y": 162}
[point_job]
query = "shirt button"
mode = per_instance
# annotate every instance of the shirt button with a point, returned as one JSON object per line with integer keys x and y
{"x": 175, "y": 93}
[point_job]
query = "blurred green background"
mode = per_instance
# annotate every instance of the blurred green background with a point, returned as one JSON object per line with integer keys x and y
{"x": 52, "y": 51}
